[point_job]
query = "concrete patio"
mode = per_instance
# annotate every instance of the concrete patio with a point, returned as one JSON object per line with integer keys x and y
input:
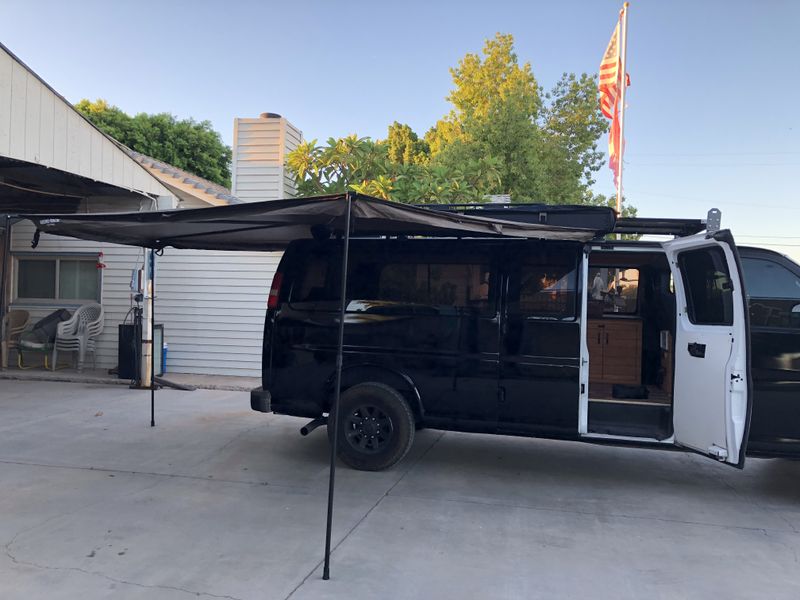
{"x": 219, "y": 502}
{"x": 102, "y": 376}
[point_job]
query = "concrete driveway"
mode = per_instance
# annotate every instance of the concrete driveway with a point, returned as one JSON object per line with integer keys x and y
{"x": 219, "y": 502}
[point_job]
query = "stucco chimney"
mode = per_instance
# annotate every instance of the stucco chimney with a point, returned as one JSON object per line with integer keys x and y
{"x": 260, "y": 147}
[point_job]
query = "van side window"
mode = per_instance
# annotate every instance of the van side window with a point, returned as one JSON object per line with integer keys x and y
{"x": 432, "y": 284}
{"x": 774, "y": 293}
{"x": 546, "y": 291}
{"x": 709, "y": 289}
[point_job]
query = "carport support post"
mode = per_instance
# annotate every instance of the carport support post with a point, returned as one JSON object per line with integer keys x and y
{"x": 333, "y": 413}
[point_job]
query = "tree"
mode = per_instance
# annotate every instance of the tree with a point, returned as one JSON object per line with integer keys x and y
{"x": 187, "y": 144}
{"x": 571, "y": 116}
{"x": 545, "y": 146}
{"x": 480, "y": 84}
{"x": 348, "y": 163}
{"x": 503, "y": 135}
{"x": 362, "y": 165}
{"x": 506, "y": 136}
{"x": 405, "y": 147}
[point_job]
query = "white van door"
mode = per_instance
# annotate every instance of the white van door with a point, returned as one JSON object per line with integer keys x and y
{"x": 711, "y": 398}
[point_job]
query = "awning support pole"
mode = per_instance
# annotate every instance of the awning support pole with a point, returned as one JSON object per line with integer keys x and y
{"x": 152, "y": 338}
{"x": 333, "y": 415}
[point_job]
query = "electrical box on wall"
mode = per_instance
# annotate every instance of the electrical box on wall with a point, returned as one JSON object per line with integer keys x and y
{"x": 137, "y": 281}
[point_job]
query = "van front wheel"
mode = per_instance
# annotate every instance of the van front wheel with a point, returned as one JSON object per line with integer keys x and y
{"x": 376, "y": 427}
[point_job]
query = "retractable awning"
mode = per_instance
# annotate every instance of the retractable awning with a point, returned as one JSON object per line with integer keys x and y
{"x": 273, "y": 224}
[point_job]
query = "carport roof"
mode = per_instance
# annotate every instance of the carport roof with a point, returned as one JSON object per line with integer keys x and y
{"x": 183, "y": 183}
{"x": 271, "y": 225}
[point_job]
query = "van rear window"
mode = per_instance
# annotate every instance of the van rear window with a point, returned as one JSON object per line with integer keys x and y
{"x": 316, "y": 279}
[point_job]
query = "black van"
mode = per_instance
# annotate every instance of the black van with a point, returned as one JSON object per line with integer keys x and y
{"x": 614, "y": 342}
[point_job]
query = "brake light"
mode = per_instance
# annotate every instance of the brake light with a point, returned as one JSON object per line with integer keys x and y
{"x": 275, "y": 290}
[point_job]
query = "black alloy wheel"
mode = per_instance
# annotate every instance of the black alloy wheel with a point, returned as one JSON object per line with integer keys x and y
{"x": 376, "y": 427}
{"x": 368, "y": 429}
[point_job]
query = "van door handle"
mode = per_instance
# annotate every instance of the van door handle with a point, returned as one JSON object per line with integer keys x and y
{"x": 697, "y": 350}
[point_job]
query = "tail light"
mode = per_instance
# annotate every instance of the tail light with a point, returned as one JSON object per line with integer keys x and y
{"x": 275, "y": 290}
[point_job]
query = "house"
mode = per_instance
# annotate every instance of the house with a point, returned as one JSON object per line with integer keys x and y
{"x": 54, "y": 160}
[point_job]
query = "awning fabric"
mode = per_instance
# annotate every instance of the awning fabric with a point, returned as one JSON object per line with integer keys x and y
{"x": 271, "y": 225}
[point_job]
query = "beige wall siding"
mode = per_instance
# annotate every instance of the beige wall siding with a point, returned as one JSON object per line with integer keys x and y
{"x": 213, "y": 306}
{"x": 40, "y": 127}
{"x": 260, "y": 147}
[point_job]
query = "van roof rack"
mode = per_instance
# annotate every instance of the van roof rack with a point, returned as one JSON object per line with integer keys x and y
{"x": 600, "y": 218}
{"x": 678, "y": 227}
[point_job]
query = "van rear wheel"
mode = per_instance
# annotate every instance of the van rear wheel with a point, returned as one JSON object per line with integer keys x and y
{"x": 376, "y": 427}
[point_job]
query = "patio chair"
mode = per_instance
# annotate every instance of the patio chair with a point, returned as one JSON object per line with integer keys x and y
{"x": 14, "y": 323}
{"x": 80, "y": 334}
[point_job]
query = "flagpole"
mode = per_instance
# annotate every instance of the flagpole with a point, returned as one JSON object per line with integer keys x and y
{"x": 624, "y": 84}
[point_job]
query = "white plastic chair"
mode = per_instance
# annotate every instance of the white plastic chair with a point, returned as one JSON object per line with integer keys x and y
{"x": 80, "y": 334}
{"x": 14, "y": 323}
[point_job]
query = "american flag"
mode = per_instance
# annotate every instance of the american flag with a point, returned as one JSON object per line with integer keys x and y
{"x": 609, "y": 76}
{"x": 609, "y": 87}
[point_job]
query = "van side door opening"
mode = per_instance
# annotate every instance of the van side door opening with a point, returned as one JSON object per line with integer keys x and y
{"x": 628, "y": 335}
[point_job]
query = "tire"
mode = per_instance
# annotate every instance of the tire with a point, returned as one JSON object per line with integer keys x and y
{"x": 376, "y": 427}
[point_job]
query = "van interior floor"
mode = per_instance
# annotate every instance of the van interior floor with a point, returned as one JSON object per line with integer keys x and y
{"x": 605, "y": 392}
{"x": 649, "y": 417}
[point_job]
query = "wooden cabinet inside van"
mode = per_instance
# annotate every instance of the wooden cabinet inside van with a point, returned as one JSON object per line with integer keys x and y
{"x": 615, "y": 351}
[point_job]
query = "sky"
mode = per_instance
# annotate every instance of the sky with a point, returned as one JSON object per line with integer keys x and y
{"x": 713, "y": 111}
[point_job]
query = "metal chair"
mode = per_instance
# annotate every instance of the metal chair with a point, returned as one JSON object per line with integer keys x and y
{"x": 80, "y": 334}
{"x": 14, "y": 323}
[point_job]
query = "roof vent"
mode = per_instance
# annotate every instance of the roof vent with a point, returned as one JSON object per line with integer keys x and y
{"x": 269, "y": 115}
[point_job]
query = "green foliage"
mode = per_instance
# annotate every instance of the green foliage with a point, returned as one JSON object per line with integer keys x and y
{"x": 362, "y": 165}
{"x": 186, "y": 144}
{"x": 502, "y": 136}
{"x": 571, "y": 117}
{"x": 498, "y": 77}
{"x": 348, "y": 163}
{"x": 405, "y": 147}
